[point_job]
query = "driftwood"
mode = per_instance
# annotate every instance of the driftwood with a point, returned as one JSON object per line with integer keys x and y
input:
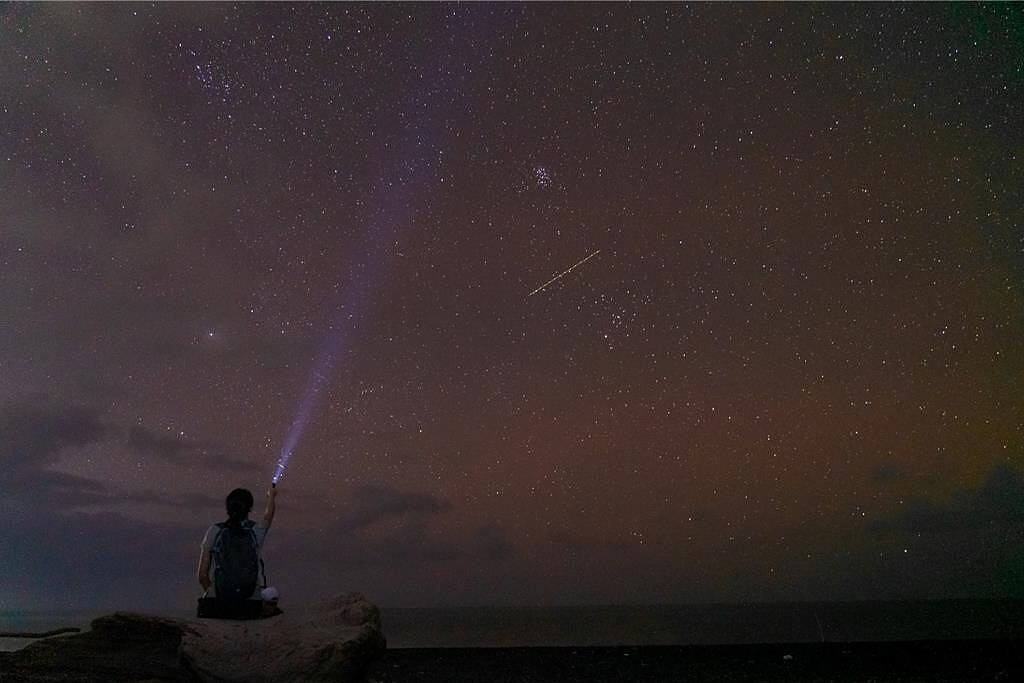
{"x": 47, "y": 634}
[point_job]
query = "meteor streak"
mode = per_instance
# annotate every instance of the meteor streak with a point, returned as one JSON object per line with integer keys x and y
{"x": 563, "y": 273}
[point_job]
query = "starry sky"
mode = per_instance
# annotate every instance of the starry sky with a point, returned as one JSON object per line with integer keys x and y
{"x": 567, "y": 304}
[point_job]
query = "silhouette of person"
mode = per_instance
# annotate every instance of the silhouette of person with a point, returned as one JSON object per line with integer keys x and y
{"x": 238, "y": 504}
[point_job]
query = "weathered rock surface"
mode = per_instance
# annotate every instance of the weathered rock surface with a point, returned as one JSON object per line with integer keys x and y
{"x": 335, "y": 641}
{"x": 120, "y": 647}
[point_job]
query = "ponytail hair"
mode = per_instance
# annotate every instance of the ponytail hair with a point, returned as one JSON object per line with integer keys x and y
{"x": 238, "y": 504}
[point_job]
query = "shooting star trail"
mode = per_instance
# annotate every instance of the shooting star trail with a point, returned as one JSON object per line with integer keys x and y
{"x": 563, "y": 273}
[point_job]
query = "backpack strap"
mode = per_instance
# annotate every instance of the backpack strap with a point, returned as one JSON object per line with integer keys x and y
{"x": 255, "y": 543}
{"x": 221, "y": 526}
{"x": 251, "y": 527}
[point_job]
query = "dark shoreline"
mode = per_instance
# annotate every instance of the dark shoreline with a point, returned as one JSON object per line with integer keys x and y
{"x": 893, "y": 661}
{"x": 934, "y": 660}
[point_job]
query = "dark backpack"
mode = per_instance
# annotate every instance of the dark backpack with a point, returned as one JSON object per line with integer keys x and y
{"x": 237, "y": 561}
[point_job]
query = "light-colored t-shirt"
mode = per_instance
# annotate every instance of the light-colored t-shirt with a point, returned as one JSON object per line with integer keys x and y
{"x": 259, "y": 530}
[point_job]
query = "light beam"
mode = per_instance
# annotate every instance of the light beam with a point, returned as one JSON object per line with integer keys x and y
{"x": 406, "y": 171}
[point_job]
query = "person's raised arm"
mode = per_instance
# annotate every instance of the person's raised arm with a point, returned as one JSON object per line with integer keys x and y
{"x": 268, "y": 515}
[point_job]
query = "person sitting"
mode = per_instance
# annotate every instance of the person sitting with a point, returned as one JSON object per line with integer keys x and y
{"x": 233, "y": 549}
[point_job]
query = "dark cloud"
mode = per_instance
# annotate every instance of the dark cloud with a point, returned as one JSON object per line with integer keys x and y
{"x": 36, "y": 430}
{"x": 57, "y": 490}
{"x": 392, "y": 527}
{"x": 46, "y": 545}
{"x": 998, "y": 505}
{"x": 376, "y": 503}
{"x": 491, "y": 542}
{"x": 577, "y": 544}
{"x": 185, "y": 501}
{"x": 411, "y": 544}
{"x": 167, "y": 446}
{"x": 387, "y": 525}
{"x": 887, "y": 473}
{"x": 964, "y": 546}
{"x": 175, "y": 448}
{"x": 75, "y": 560}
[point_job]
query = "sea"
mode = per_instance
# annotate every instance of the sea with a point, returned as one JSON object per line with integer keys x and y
{"x": 652, "y": 625}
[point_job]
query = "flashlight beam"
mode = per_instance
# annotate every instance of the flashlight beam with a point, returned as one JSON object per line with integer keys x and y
{"x": 322, "y": 371}
{"x": 563, "y": 273}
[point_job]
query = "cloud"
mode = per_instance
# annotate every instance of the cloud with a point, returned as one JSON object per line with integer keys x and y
{"x": 386, "y": 536}
{"x": 491, "y": 542}
{"x": 887, "y": 474}
{"x": 376, "y": 503}
{"x": 389, "y": 527}
{"x": 186, "y": 501}
{"x": 47, "y": 545}
{"x": 167, "y": 446}
{"x": 35, "y": 434}
{"x": 997, "y": 505}
{"x": 386, "y": 525}
{"x": 967, "y": 545}
{"x": 70, "y": 561}
{"x": 175, "y": 448}
{"x": 35, "y": 431}
{"x": 580, "y": 545}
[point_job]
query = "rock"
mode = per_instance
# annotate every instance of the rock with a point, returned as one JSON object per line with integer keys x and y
{"x": 120, "y": 647}
{"x": 336, "y": 641}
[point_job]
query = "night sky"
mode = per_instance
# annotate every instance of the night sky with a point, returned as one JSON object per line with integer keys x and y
{"x": 783, "y": 359}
